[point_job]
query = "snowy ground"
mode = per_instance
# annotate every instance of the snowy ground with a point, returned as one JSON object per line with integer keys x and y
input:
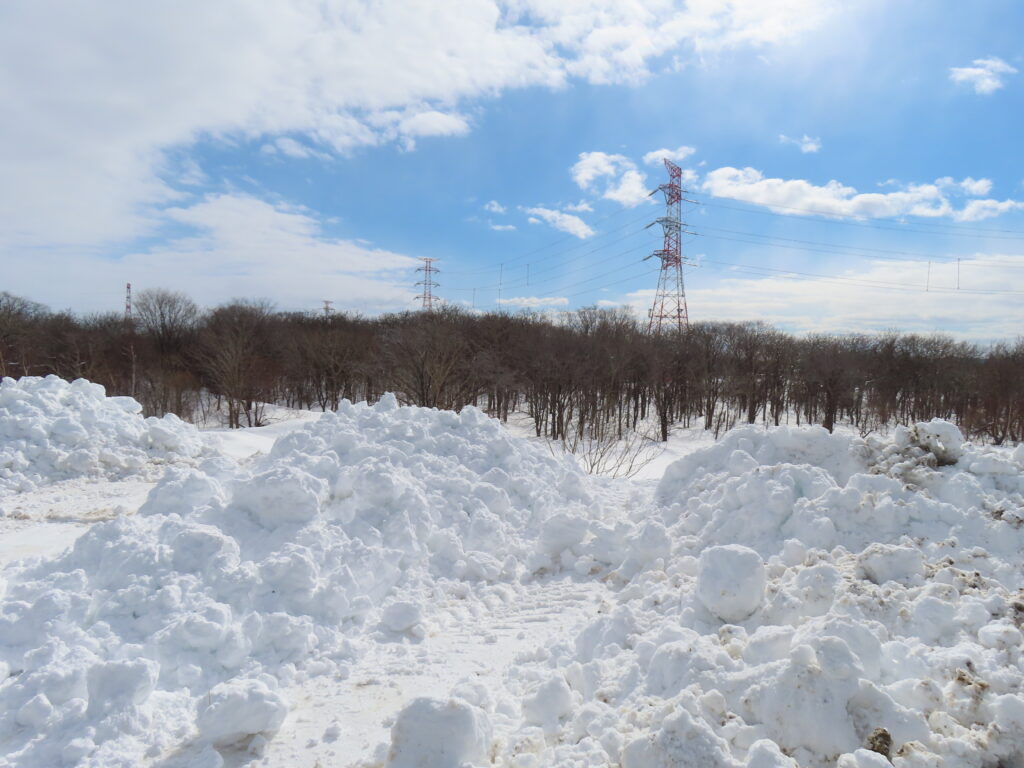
{"x": 396, "y": 587}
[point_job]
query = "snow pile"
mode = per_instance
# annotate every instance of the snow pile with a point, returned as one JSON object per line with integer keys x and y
{"x": 52, "y": 430}
{"x": 179, "y": 625}
{"x": 797, "y": 598}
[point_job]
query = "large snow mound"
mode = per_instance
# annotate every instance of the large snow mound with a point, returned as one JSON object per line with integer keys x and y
{"x": 805, "y": 599}
{"x": 182, "y": 623}
{"x": 52, "y": 430}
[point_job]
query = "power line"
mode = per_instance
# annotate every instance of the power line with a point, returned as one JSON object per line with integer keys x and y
{"x": 840, "y": 251}
{"x": 582, "y": 244}
{"x": 858, "y": 281}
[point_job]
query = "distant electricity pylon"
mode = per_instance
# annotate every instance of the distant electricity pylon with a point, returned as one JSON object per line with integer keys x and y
{"x": 328, "y": 307}
{"x": 668, "y": 313}
{"x": 429, "y": 270}
{"x": 128, "y": 303}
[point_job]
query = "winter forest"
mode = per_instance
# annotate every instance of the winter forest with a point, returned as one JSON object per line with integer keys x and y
{"x": 590, "y": 374}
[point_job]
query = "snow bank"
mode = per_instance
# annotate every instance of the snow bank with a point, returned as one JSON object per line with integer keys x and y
{"x": 52, "y": 430}
{"x": 796, "y": 598}
{"x": 181, "y": 624}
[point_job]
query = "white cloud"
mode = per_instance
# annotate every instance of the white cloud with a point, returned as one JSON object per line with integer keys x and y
{"x": 596, "y": 165}
{"x": 675, "y": 155}
{"x": 623, "y": 182}
{"x": 630, "y": 190}
{"x": 976, "y": 187}
{"x": 613, "y": 41}
{"x": 581, "y": 207}
{"x": 102, "y": 95}
{"x": 985, "y": 75}
{"x": 978, "y": 210}
{"x": 430, "y": 123}
{"x": 806, "y": 143}
{"x": 835, "y": 303}
{"x": 798, "y": 196}
{"x": 565, "y": 222}
{"x": 494, "y": 207}
{"x": 502, "y": 227}
{"x": 236, "y": 245}
{"x": 535, "y": 301}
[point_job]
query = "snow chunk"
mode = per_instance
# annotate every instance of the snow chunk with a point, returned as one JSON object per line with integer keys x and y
{"x": 430, "y": 733}
{"x": 401, "y": 616}
{"x": 881, "y": 563}
{"x": 116, "y": 685}
{"x": 731, "y": 581}
{"x": 765, "y": 753}
{"x": 283, "y": 494}
{"x": 863, "y": 758}
{"x": 939, "y": 437}
{"x": 35, "y": 712}
{"x": 237, "y": 709}
{"x": 549, "y": 704}
{"x": 681, "y": 742}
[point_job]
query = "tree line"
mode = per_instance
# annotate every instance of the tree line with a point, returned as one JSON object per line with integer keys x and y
{"x": 592, "y": 373}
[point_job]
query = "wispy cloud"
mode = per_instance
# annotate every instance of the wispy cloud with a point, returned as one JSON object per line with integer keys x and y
{"x": 289, "y": 147}
{"x": 581, "y": 207}
{"x": 677, "y": 155}
{"x": 985, "y": 76}
{"x": 501, "y": 227}
{"x": 805, "y": 142}
{"x": 493, "y": 206}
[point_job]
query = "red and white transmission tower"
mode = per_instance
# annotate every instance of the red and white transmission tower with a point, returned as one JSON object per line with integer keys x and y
{"x": 429, "y": 270}
{"x": 668, "y": 312}
{"x": 128, "y": 303}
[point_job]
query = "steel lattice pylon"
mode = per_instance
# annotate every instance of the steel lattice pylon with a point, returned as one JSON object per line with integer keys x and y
{"x": 669, "y": 313}
{"x": 429, "y": 270}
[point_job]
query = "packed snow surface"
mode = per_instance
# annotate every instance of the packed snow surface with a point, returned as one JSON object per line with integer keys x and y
{"x": 781, "y": 598}
{"x": 52, "y": 430}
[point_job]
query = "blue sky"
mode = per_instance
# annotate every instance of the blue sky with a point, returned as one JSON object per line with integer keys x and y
{"x": 843, "y": 156}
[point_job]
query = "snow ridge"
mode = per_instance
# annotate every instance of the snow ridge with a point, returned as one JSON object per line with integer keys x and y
{"x": 52, "y": 430}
